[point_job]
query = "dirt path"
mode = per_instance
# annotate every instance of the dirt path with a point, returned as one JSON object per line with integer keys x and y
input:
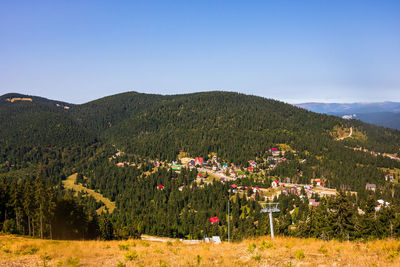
{"x": 347, "y": 136}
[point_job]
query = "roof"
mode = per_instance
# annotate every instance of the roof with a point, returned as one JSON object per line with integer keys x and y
{"x": 160, "y": 186}
{"x": 214, "y": 219}
{"x": 276, "y": 181}
{"x": 234, "y": 186}
{"x": 274, "y": 149}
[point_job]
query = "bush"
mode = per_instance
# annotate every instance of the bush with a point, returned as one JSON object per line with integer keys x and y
{"x": 266, "y": 245}
{"x": 130, "y": 256}
{"x": 299, "y": 254}
{"x": 9, "y": 227}
{"x": 123, "y": 246}
{"x": 252, "y": 247}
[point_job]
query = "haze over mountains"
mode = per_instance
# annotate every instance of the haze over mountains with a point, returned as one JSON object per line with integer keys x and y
{"x": 385, "y": 114}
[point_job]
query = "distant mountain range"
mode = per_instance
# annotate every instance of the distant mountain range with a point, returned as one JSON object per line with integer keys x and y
{"x": 385, "y": 114}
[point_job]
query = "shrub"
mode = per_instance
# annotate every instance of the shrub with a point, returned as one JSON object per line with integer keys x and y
{"x": 266, "y": 245}
{"x": 252, "y": 247}
{"x": 123, "y": 246}
{"x": 299, "y": 254}
{"x": 257, "y": 257}
{"x": 9, "y": 227}
{"x": 130, "y": 256}
{"x": 323, "y": 250}
{"x": 73, "y": 262}
{"x": 121, "y": 264}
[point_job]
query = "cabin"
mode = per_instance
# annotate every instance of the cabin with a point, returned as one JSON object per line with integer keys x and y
{"x": 313, "y": 203}
{"x": 275, "y": 183}
{"x": 214, "y": 220}
{"x": 198, "y": 161}
{"x": 160, "y": 187}
{"x": 275, "y": 152}
{"x": 389, "y": 177}
{"x": 370, "y": 187}
{"x": 234, "y": 188}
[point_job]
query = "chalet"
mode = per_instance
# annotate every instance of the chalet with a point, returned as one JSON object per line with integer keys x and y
{"x": 313, "y": 203}
{"x": 160, "y": 187}
{"x": 274, "y": 151}
{"x": 214, "y": 220}
{"x": 176, "y": 167}
{"x": 389, "y": 177}
{"x": 275, "y": 183}
{"x": 293, "y": 190}
{"x": 200, "y": 175}
{"x": 256, "y": 189}
{"x": 250, "y": 169}
{"x": 234, "y": 188}
{"x": 370, "y": 187}
{"x": 317, "y": 182}
{"x": 198, "y": 161}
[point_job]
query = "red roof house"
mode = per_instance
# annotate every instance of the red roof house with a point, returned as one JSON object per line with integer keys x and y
{"x": 214, "y": 220}
{"x": 160, "y": 186}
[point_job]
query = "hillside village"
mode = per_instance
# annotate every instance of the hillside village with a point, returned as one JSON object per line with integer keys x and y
{"x": 262, "y": 190}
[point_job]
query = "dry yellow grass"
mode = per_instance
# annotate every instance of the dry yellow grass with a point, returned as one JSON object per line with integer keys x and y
{"x": 20, "y": 251}
{"x": 69, "y": 183}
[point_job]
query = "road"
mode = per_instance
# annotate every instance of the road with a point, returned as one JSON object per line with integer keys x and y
{"x": 218, "y": 174}
{"x": 350, "y": 134}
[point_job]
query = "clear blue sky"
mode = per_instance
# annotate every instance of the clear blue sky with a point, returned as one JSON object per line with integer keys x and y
{"x": 293, "y": 51}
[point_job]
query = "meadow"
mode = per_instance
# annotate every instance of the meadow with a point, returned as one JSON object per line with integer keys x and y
{"x": 281, "y": 251}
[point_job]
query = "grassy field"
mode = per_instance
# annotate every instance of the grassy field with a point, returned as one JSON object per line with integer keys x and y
{"x": 69, "y": 183}
{"x": 20, "y": 251}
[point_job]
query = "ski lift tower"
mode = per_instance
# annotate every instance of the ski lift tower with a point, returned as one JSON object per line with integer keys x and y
{"x": 270, "y": 208}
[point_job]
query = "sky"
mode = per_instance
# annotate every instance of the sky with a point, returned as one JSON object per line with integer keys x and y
{"x": 294, "y": 51}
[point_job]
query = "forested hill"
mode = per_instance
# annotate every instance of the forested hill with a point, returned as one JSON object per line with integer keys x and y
{"x": 43, "y": 141}
{"x": 234, "y": 125}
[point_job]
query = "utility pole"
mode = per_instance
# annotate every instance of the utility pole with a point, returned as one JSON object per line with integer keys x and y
{"x": 270, "y": 208}
{"x": 229, "y": 218}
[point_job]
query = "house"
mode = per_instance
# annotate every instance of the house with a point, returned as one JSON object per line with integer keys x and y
{"x": 256, "y": 189}
{"x": 275, "y": 152}
{"x": 287, "y": 180}
{"x": 275, "y": 183}
{"x": 234, "y": 188}
{"x": 317, "y": 182}
{"x": 370, "y": 187}
{"x": 198, "y": 161}
{"x": 191, "y": 163}
{"x": 160, "y": 187}
{"x": 389, "y": 177}
{"x": 176, "y": 167}
{"x": 313, "y": 203}
{"x": 293, "y": 190}
{"x": 250, "y": 169}
{"x": 214, "y": 220}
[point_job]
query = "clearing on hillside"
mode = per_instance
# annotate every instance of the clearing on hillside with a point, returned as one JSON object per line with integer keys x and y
{"x": 69, "y": 183}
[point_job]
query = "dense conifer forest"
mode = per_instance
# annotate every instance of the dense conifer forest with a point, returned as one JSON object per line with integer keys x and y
{"x": 44, "y": 141}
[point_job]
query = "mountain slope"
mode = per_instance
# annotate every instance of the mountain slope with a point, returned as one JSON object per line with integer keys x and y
{"x": 385, "y": 114}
